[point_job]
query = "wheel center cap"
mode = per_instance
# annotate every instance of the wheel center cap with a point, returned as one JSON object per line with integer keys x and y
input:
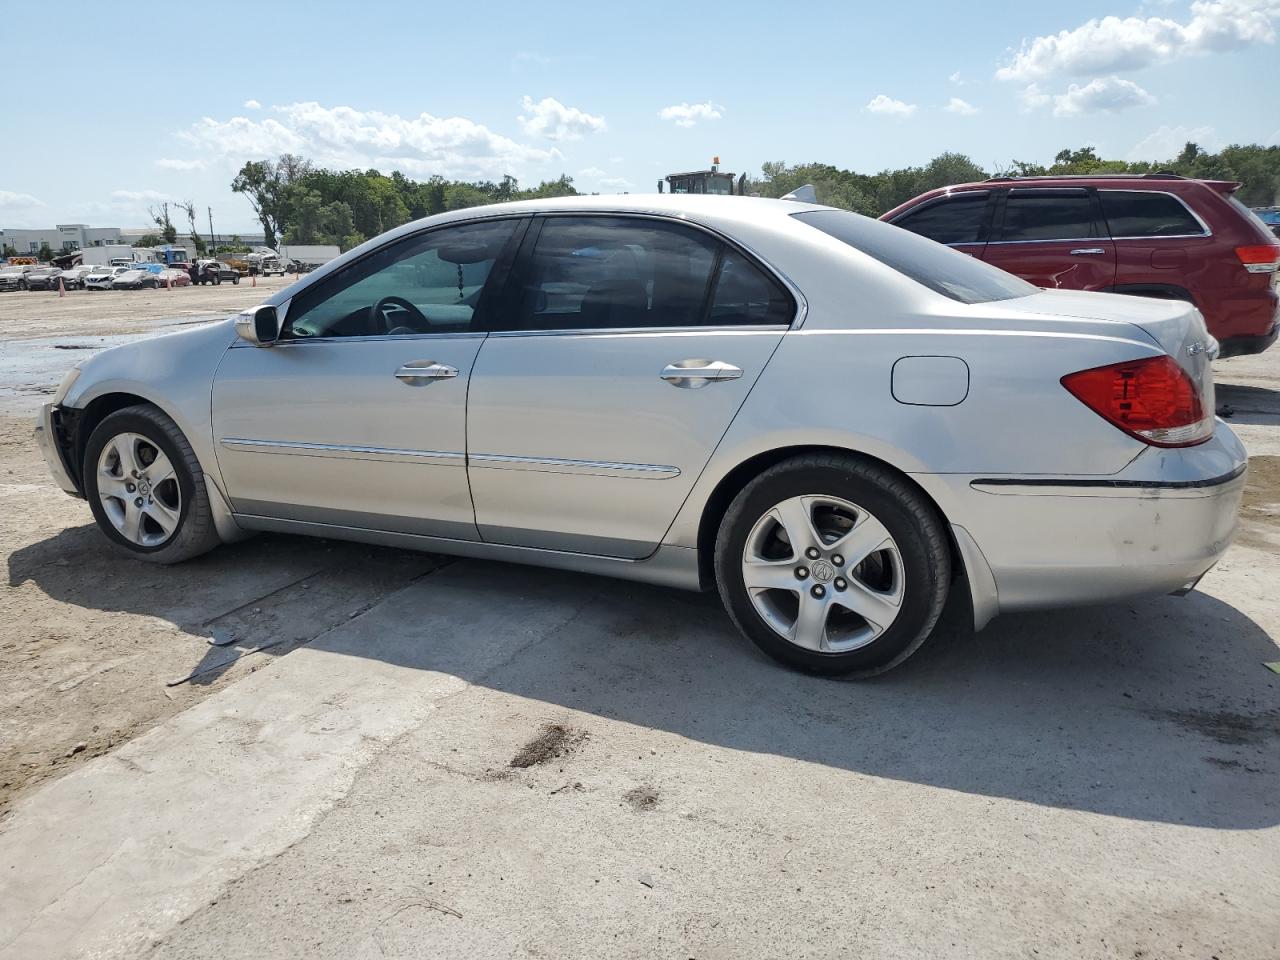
{"x": 822, "y": 571}
{"x": 144, "y": 487}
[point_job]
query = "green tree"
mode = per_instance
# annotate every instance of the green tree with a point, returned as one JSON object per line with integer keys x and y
{"x": 160, "y": 217}
{"x": 149, "y": 240}
{"x": 44, "y": 253}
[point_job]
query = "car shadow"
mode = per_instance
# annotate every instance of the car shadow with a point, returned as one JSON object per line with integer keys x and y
{"x": 1154, "y": 710}
{"x": 1246, "y": 403}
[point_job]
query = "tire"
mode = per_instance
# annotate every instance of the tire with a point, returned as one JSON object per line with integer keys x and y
{"x": 236, "y": 281}
{"x": 904, "y": 580}
{"x": 218, "y": 280}
{"x": 193, "y": 531}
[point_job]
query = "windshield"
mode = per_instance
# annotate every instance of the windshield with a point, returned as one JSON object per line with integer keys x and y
{"x": 941, "y": 269}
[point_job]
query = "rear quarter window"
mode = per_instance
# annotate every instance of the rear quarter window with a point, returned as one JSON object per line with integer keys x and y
{"x": 932, "y": 265}
{"x": 1138, "y": 213}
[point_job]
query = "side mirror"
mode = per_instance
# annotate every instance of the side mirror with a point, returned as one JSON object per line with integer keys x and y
{"x": 259, "y": 326}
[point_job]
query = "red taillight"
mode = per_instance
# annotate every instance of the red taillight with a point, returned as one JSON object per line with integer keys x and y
{"x": 1152, "y": 399}
{"x": 1261, "y": 258}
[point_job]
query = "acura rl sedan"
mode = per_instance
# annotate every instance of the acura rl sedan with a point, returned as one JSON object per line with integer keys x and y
{"x": 831, "y": 421}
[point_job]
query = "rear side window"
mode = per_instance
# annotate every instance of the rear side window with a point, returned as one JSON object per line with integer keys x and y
{"x": 1137, "y": 213}
{"x": 1049, "y": 215}
{"x": 955, "y": 219}
{"x": 592, "y": 273}
{"x": 941, "y": 269}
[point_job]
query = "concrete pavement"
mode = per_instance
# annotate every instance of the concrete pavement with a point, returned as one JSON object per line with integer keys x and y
{"x": 1097, "y": 783}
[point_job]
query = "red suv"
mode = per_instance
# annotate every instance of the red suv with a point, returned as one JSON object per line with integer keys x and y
{"x": 1155, "y": 235}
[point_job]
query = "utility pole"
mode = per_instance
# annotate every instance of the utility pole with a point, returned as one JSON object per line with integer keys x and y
{"x": 213, "y": 244}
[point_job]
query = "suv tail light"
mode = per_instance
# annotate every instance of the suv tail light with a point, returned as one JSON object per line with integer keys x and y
{"x": 1262, "y": 258}
{"x": 1152, "y": 399}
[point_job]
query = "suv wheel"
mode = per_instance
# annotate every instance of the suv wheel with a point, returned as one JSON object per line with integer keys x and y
{"x": 833, "y": 564}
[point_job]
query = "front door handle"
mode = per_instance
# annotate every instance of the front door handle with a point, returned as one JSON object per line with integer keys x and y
{"x": 1088, "y": 252}
{"x": 424, "y": 371}
{"x": 698, "y": 373}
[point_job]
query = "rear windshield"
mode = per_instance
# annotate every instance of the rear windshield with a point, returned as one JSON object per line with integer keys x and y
{"x": 941, "y": 269}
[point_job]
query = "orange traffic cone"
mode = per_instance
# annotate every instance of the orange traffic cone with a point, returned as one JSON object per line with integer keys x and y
{"x": 255, "y": 280}
{"x": 62, "y": 289}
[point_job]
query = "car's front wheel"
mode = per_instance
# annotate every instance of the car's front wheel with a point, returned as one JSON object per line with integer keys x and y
{"x": 146, "y": 488}
{"x": 833, "y": 564}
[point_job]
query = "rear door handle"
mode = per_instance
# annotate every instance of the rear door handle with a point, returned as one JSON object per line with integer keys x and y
{"x": 698, "y": 373}
{"x": 420, "y": 371}
{"x": 1088, "y": 252}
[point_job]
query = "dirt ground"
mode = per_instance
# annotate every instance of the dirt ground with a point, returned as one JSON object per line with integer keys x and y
{"x": 91, "y": 642}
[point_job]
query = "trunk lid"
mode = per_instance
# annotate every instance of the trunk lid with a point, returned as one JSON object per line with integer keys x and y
{"x": 1175, "y": 325}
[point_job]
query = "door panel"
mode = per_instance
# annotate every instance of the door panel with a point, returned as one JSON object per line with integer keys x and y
{"x": 358, "y": 415}
{"x": 1055, "y": 238}
{"x": 577, "y": 443}
{"x": 327, "y": 432}
{"x": 1062, "y": 265}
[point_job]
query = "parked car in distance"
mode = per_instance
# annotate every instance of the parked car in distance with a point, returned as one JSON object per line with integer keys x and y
{"x": 174, "y": 277}
{"x": 214, "y": 271}
{"x": 1270, "y": 216}
{"x": 99, "y": 278}
{"x": 135, "y": 279}
{"x": 832, "y": 421}
{"x": 14, "y": 277}
{"x": 73, "y": 277}
{"x": 1157, "y": 235}
{"x": 43, "y": 278}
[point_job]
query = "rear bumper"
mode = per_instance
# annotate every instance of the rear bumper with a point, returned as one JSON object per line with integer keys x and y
{"x": 1241, "y": 346}
{"x": 1154, "y": 528}
{"x": 47, "y": 439}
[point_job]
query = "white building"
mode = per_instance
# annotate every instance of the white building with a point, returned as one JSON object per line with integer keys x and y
{"x": 63, "y": 238}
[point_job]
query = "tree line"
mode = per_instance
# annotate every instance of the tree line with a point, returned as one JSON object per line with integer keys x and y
{"x": 297, "y": 202}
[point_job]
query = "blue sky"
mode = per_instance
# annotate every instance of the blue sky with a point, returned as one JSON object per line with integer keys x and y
{"x": 126, "y": 111}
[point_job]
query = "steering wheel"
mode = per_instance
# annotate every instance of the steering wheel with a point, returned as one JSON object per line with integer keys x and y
{"x": 392, "y": 312}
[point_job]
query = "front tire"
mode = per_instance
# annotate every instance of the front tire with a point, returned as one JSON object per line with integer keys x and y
{"x": 146, "y": 488}
{"x": 833, "y": 564}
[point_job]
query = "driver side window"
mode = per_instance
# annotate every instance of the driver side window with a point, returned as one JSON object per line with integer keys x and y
{"x": 430, "y": 283}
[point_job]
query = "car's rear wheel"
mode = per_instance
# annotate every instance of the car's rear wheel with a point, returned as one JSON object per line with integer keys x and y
{"x": 146, "y": 488}
{"x": 833, "y": 564}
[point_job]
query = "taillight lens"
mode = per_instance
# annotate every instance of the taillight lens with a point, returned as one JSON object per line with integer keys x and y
{"x": 1152, "y": 399}
{"x": 1262, "y": 258}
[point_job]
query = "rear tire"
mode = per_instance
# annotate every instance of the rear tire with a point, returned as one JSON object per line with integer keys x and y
{"x": 166, "y": 516}
{"x": 800, "y": 605}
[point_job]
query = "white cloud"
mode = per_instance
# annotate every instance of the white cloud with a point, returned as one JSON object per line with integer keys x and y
{"x": 139, "y": 196}
{"x": 1165, "y": 142}
{"x": 962, "y": 107}
{"x": 615, "y": 183}
{"x": 21, "y": 210}
{"x": 252, "y": 105}
{"x": 956, "y": 79}
{"x": 688, "y": 114}
{"x": 346, "y": 138}
{"x": 1113, "y": 43}
{"x": 615, "y": 159}
{"x": 170, "y": 163}
{"x": 550, "y": 119}
{"x": 9, "y": 199}
{"x": 1033, "y": 97}
{"x": 592, "y": 172}
{"x": 1103, "y": 95}
{"x": 889, "y": 106}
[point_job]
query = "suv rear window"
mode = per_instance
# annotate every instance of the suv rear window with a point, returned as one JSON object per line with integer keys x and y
{"x": 941, "y": 269}
{"x": 1139, "y": 213}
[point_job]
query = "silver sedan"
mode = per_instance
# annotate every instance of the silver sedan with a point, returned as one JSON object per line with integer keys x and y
{"x": 833, "y": 422}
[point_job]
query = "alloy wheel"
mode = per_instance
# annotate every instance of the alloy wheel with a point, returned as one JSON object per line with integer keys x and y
{"x": 823, "y": 573}
{"x": 139, "y": 490}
